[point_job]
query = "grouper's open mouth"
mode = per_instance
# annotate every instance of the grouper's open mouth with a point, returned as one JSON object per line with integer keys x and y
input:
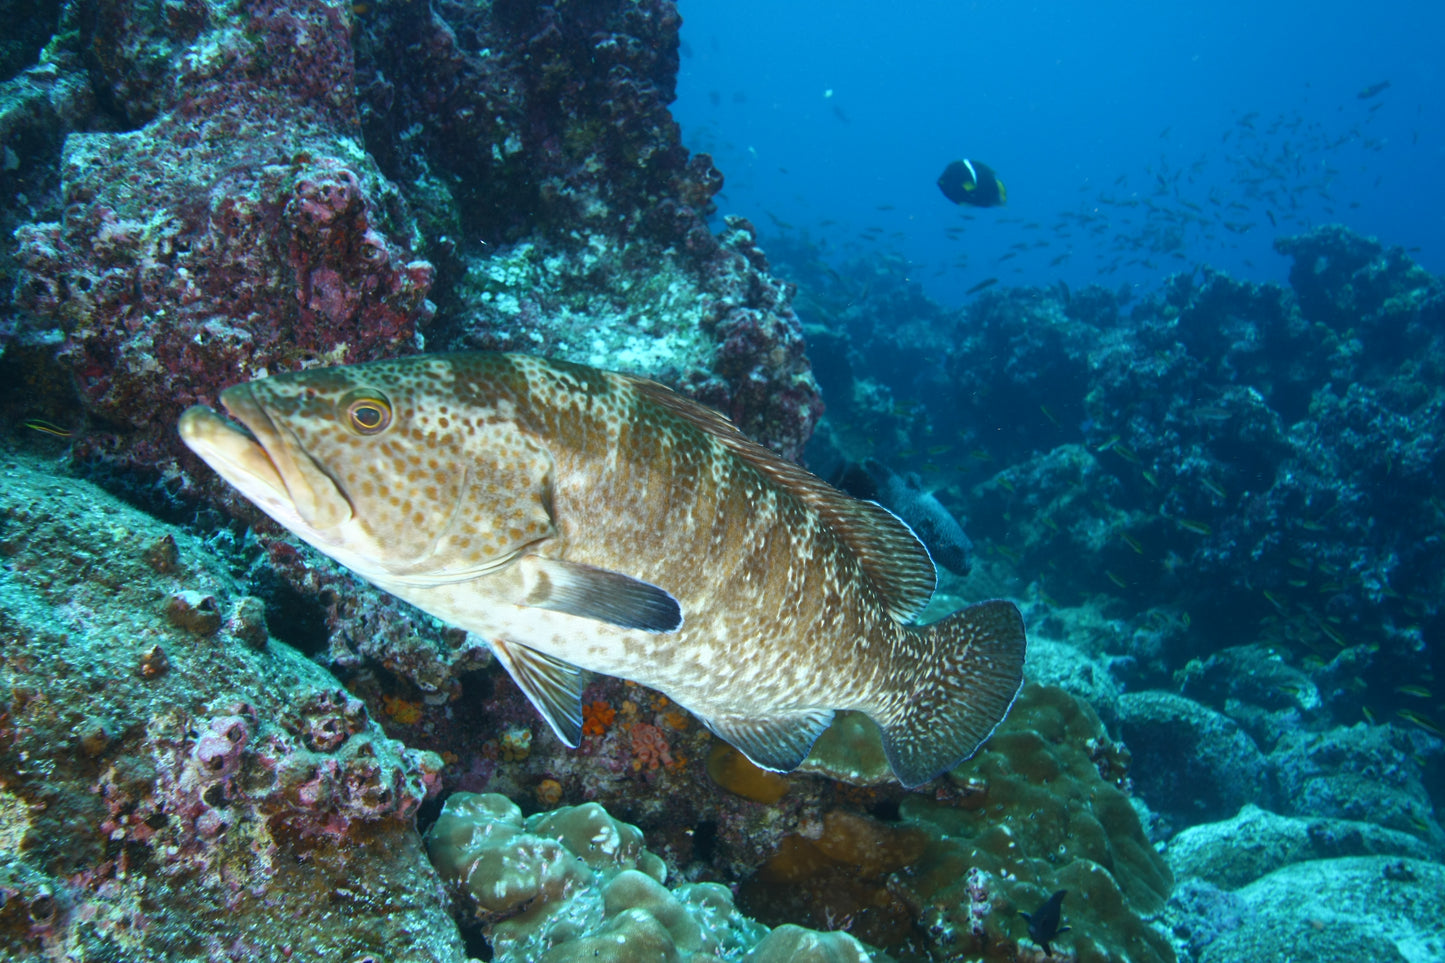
{"x": 267, "y": 464}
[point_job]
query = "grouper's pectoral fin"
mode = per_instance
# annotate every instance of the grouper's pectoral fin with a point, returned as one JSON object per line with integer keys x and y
{"x": 778, "y": 742}
{"x": 596, "y": 593}
{"x": 555, "y": 687}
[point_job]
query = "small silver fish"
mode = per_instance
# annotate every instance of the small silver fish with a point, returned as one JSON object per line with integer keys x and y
{"x": 579, "y": 519}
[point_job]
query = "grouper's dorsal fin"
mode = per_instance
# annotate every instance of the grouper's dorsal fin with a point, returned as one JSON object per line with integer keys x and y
{"x": 597, "y": 593}
{"x": 779, "y": 742}
{"x": 892, "y": 557}
{"x": 553, "y": 686}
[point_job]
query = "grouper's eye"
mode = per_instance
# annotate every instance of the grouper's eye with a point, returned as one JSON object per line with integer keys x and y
{"x": 367, "y": 412}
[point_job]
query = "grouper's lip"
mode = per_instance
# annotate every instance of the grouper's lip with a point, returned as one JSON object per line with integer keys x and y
{"x": 234, "y": 452}
{"x": 241, "y": 404}
{"x": 311, "y": 492}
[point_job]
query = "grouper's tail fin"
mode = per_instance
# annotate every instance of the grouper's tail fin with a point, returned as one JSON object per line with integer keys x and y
{"x": 969, "y": 668}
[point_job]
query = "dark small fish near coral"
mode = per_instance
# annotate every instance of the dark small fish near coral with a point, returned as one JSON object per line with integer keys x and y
{"x": 982, "y": 285}
{"x": 972, "y": 182}
{"x": 1044, "y": 922}
{"x": 580, "y": 520}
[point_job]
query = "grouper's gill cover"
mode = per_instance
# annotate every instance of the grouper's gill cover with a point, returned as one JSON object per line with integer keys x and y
{"x": 578, "y": 520}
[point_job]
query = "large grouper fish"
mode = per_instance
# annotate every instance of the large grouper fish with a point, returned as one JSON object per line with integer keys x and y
{"x": 578, "y": 519}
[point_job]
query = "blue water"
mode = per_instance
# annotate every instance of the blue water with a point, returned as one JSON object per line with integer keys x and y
{"x": 1082, "y": 109}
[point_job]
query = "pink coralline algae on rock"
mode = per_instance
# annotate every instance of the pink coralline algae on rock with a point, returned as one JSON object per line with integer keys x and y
{"x": 178, "y": 789}
{"x": 597, "y": 248}
{"x": 270, "y": 187}
{"x": 238, "y": 229}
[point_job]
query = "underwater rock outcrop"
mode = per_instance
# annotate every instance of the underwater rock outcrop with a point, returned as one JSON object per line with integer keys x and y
{"x": 221, "y": 193}
{"x": 1378, "y": 908}
{"x": 1256, "y": 842}
{"x": 1195, "y": 765}
{"x": 173, "y": 783}
{"x": 1377, "y": 774}
{"x": 217, "y": 219}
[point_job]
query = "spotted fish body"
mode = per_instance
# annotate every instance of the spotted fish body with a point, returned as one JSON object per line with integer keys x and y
{"x": 579, "y": 519}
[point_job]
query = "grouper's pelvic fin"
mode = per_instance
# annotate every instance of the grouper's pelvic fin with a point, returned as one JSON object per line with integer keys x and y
{"x": 553, "y": 686}
{"x": 588, "y": 592}
{"x": 970, "y": 667}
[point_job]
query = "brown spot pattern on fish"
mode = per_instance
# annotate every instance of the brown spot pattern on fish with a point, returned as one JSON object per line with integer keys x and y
{"x": 579, "y": 519}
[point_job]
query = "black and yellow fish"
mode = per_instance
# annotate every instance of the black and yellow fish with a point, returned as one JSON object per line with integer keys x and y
{"x": 972, "y": 182}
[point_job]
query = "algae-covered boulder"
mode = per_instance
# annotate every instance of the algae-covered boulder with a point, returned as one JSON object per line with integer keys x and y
{"x": 1376, "y": 774}
{"x": 575, "y": 884}
{"x": 1378, "y": 909}
{"x": 1192, "y": 764}
{"x": 1237, "y": 851}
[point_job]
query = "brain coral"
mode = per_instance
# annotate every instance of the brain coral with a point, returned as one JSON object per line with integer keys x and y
{"x": 576, "y": 884}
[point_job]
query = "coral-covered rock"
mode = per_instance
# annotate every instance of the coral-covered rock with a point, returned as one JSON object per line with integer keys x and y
{"x": 261, "y": 185}
{"x": 1200, "y": 913}
{"x": 1020, "y": 359}
{"x": 167, "y": 785}
{"x": 1256, "y": 842}
{"x": 1373, "y": 773}
{"x": 1353, "y": 283}
{"x": 235, "y": 228}
{"x": 1228, "y": 454}
{"x": 1378, "y": 908}
{"x": 40, "y": 102}
{"x": 551, "y": 117}
{"x": 720, "y": 330}
{"x": 1037, "y": 810}
{"x": 319, "y": 607}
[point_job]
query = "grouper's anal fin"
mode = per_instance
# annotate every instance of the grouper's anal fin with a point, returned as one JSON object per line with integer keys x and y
{"x": 778, "y": 742}
{"x": 553, "y": 686}
{"x": 595, "y": 593}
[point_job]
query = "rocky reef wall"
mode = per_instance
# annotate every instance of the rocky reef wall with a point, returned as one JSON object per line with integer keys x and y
{"x": 209, "y": 192}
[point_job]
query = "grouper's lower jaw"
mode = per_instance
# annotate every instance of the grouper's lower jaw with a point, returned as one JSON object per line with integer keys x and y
{"x": 238, "y": 458}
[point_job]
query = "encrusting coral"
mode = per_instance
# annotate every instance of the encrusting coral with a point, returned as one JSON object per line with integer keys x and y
{"x": 1038, "y": 809}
